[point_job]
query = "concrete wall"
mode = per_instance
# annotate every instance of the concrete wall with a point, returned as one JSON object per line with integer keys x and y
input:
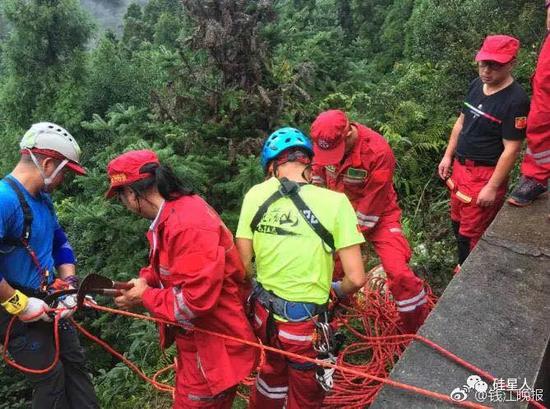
{"x": 495, "y": 314}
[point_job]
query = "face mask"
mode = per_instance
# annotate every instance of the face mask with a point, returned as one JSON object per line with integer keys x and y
{"x": 47, "y": 179}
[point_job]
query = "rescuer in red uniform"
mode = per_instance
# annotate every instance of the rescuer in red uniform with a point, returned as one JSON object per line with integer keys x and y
{"x": 355, "y": 160}
{"x": 535, "y": 169}
{"x": 193, "y": 277}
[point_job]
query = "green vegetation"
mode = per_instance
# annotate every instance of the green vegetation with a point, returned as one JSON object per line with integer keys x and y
{"x": 204, "y": 84}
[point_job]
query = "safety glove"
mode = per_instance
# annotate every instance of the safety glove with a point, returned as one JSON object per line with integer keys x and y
{"x": 27, "y": 309}
{"x": 66, "y": 305}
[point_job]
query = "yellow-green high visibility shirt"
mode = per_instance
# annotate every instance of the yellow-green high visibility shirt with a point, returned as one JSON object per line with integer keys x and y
{"x": 291, "y": 259}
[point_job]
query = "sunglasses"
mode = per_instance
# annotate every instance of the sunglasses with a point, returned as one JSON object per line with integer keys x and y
{"x": 492, "y": 65}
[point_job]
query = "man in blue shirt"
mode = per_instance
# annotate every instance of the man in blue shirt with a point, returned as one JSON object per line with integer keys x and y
{"x": 32, "y": 246}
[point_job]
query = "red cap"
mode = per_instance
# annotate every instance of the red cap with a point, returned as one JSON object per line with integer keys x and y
{"x": 499, "y": 48}
{"x": 328, "y": 132}
{"x": 125, "y": 169}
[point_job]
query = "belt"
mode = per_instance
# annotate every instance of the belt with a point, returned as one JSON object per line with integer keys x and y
{"x": 468, "y": 162}
{"x": 289, "y": 310}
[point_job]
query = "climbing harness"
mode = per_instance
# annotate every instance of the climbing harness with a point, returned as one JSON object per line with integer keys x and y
{"x": 24, "y": 239}
{"x": 354, "y": 385}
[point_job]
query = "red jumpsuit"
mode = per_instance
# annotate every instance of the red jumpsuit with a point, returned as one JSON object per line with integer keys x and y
{"x": 196, "y": 277}
{"x": 536, "y": 163}
{"x": 366, "y": 177}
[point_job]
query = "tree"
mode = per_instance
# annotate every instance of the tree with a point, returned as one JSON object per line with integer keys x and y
{"x": 202, "y": 82}
{"x": 230, "y": 31}
{"x": 345, "y": 18}
{"x": 43, "y": 57}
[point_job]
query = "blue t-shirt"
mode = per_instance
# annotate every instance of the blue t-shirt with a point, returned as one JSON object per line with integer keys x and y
{"x": 16, "y": 266}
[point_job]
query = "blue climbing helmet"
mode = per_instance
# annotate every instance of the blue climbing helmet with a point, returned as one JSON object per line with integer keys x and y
{"x": 281, "y": 140}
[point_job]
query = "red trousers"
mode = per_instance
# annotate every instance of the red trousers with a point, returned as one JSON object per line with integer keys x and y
{"x": 407, "y": 289}
{"x": 465, "y": 184}
{"x": 192, "y": 390}
{"x": 536, "y": 162}
{"x": 286, "y": 382}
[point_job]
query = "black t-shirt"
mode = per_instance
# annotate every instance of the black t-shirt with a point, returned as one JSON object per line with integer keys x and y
{"x": 488, "y": 119}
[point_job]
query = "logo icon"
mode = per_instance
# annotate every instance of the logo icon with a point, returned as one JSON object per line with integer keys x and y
{"x": 473, "y": 383}
{"x": 501, "y": 390}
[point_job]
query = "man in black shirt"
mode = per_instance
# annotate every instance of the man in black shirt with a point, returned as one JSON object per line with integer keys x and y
{"x": 485, "y": 142}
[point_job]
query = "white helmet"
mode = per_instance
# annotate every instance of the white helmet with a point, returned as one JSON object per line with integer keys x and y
{"x": 47, "y": 138}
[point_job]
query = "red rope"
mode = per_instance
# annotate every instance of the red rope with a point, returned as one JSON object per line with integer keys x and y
{"x": 344, "y": 369}
{"x": 22, "y": 368}
{"x": 379, "y": 347}
{"x": 157, "y": 385}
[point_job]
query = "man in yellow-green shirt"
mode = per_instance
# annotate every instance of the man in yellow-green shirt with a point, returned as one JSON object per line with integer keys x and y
{"x": 291, "y": 230}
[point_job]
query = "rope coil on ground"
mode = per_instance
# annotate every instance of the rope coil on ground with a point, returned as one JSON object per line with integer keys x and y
{"x": 371, "y": 320}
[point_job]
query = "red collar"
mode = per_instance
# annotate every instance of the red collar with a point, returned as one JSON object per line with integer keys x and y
{"x": 164, "y": 213}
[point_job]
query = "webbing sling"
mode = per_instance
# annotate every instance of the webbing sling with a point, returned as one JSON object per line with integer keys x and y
{"x": 294, "y": 311}
{"x": 24, "y": 240}
{"x": 291, "y": 190}
{"x": 27, "y": 216}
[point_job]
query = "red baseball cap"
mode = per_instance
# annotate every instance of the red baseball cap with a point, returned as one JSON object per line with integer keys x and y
{"x": 328, "y": 133}
{"x": 125, "y": 169}
{"x": 499, "y": 48}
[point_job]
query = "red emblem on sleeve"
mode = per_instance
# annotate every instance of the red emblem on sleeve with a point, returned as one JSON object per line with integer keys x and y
{"x": 521, "y": 122}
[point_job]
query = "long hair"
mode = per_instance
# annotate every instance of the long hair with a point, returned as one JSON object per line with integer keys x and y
{"x": 164, "y": 179}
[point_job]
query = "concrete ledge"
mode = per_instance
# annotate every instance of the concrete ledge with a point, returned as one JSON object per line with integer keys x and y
{"x": 495, "y": 314}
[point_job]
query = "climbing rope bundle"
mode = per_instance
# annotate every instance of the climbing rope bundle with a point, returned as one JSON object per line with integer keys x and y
{"x": 373, "y": 346}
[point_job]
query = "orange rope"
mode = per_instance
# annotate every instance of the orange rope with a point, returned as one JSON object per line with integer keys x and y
{"x": 21, "y": 368}
{"x": 374, "y": 310}
{"x": 157, "y": 385}
{"x": 348, "y": 370}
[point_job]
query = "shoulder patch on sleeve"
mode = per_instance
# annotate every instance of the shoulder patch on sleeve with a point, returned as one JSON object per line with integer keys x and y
{"x": 521, "y": 122}
{"x": 355, "y": 173}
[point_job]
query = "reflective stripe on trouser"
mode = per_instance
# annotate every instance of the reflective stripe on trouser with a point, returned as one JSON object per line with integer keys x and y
{"x": 473, "y": 219}
{"x": 223, "y": 400}
{"x": 407, "y": 289}
{"x": 282, "y": 382}
{"x": 534, "y": 170}
{"x": 192, "y": 390}
{"x": 536, "y": 162}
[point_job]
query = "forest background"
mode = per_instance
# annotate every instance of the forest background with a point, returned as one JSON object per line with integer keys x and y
{"x": 203, "y": 82}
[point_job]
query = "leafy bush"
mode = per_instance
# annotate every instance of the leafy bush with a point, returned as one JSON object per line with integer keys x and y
{"x": 203, "y": 86}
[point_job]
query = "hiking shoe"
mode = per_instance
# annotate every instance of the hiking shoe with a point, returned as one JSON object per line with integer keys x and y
{"x": 526, "y": 192}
